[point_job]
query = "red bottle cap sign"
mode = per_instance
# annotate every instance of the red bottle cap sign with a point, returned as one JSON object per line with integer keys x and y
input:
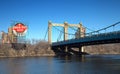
{"x": 19, "y": 28}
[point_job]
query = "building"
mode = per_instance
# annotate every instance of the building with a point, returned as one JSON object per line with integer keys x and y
{"x": 8, "y": 37}
{"x": 81, "y": 32}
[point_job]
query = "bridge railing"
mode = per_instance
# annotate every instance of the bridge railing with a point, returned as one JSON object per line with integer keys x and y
{"x": 99, "y": 34}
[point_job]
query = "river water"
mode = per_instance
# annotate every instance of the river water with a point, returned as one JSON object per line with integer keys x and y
{"x": 89, "y": 64}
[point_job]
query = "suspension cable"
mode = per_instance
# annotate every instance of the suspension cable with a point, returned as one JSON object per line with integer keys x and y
{"x": 76, "y": 33}
{"x": 59, "y": 37}
{"x": 73, "y": 28}
{"x": 81, "y": 32}
{"x": 106, "y": 27}
{"x": 89, "y": 29}
{"x": 46, "y": 33}
{"x": 63, "y": 32}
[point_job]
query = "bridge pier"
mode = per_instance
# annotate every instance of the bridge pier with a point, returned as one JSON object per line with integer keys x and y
{"x": 81, "y": 49}
{"x": 66, "y": 49}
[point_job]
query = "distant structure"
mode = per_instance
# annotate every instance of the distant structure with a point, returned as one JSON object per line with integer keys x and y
{"x": 16, "y": 34}
{"x": 8, "y": 37}
{"x": 81, "y": 32}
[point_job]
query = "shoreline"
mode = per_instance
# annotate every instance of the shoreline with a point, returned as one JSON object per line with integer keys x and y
{"x": 46, "y": 55}
{"x": 43, "y": 55}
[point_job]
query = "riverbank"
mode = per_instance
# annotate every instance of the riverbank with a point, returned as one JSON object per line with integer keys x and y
{"x": 103, "y": 49}
{"x": 25, "y": 53}
{"x": 42, "y": 48}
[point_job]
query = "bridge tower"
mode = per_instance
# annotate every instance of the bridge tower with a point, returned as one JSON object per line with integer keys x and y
{"x": 80, "y": 33}
{"x": 50, "y": 25}
{"x": 65, "y": 31}
{"x": 49, "y": 32}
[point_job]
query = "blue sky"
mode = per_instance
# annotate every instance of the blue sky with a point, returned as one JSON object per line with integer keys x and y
{"x": 94, "y": 14}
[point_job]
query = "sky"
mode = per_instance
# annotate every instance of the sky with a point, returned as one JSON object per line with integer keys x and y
{"x": 94, "y": 14}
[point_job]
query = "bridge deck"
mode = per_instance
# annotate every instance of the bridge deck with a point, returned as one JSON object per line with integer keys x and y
{"x": 103, "y": 38}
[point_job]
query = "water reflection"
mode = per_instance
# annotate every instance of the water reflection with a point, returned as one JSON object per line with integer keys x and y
{"x": 11, "y": 66}
{"x": 95, "y": 64}
{"x": 71, "y": 58}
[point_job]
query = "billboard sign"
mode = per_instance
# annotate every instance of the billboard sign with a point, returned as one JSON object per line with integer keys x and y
{"x": 19, "y": 29}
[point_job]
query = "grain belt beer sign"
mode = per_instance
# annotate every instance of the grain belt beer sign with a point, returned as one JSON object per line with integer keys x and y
{"x": 19, "y": 29}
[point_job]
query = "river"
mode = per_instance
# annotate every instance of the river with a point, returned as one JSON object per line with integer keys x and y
{"x": 89, "y": 64}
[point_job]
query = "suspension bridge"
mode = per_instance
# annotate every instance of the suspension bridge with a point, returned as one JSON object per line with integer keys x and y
{"x": 81, "y": 37}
